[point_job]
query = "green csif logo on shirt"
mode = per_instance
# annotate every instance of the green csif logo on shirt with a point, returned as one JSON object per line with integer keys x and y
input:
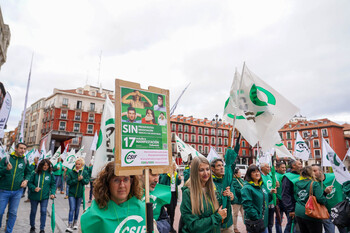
{"x": 134, "y": 227}
{"x": 302, "y": 194}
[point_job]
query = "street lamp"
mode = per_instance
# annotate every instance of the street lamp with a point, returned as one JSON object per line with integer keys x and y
{"x": 217, "y": 121}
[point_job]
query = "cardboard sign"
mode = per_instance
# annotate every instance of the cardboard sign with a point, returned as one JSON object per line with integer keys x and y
{"x": 143, "y": 135}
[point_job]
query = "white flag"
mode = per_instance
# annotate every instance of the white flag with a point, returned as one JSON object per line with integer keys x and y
{"x": 12, "y": 149}
{"x": 5, "y": 112}
{"x": 212, "y": 155}
{"x": 301, "y": 150}
{"x": 43, "y": 150}
{"x": 325, "y": 150}
{"x": 185, "y": 150}
{"x": 264, "y": 157}
{"x": 80, "y": 152}
{"x": 105, "y": 144}
{"x": 94, "y": 142}
{"x": 65, "y": 152}
{"x": 3, "y": 153}
{"x": 55, "y": 156}
{"x": 261, "y": 110}
{"x": 70, "y": 159}
{"x": 340, "y": 171}
{"x": 347, "y": 153}
{"x": 282, "y": 151}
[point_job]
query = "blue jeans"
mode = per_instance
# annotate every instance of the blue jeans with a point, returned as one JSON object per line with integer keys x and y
{"x": 43, "y": 210}
{"x": 59, "y": 183}
{"x": 67, "y": 189}
{"x": 74, "y": 206}
{"x": 12, "y": 198}
{"x": 329, "y": 227}
{"x": 265, "y": 231}
{"x": 91, "y": 190}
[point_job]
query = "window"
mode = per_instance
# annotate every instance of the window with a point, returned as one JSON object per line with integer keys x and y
{"x": 172, "y": 136}
{"x": 200, "y": 130}
{"x": 79, "y": 104}
{"x": 305, "y": 134}
{"x": 92, "y": 106}
{"x": 326, "y": 139}
{"x": 314, "y": 133}
{"x": 226, "y": 133}
{"x": 77, "y": 116}
{"x": 91, "y": 117}
{"x": 205, "y": 150}
{"x": 289, "y": 145}
{"x": 186, "y": 128}
{"x": 90, "y": 129}
{"x": 173, "y": 127}
{"x": 212, "y": 140}
{"x": 281, "y": 136}
{"x": 226, "y": 141}
{"x": 62, "y": 125}
{"x": 206, "y": 131}
{"x": 186, "y": 137}
{"x": 220, "y": 141}
{"x": 219, "y": 149}
{"x": 199, "y": 139}
{"x": 65, "y": 102}
{"x": 288, "y": 135}
{"x": 76, "y": 127}
{"x": 194, "y": 146}
{"x": 179, "y": 128}
{"x": 220, "y": 132}
{"x": 243, "y": 143}
{"x": 243, "y": 153}
{"x": 317, "y": 154}
{"x": 316, "y": 143}
{"x": 295, "y": 135}
{"x": 173, "y": 147}
{"x": 324, "y": 132}
{"x": 347, "y": 144}
{"x": 212, "y": 131}
{"x": 63, "y": 114}
{"x": 193, "y": 129}
{"x": 75, "y": 141}
{"x": 206, "y": 140}
{"x": 200, "y": 148}
{"x": 180, "y": 136}
{"x": 193, "y": 138}
{"x": 307, "y": 143}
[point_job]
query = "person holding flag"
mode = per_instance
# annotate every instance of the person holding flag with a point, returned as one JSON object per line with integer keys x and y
{"x": 58, "y": 172}
{"x": 288, "y": 199}
{"x": 237, "y": 183}
{"x": 117, "y": 204}
{"x": 42, "y": 186}
{"x": 200, "y": 210}
{"x": 14, "y": 176}
{"x": 218, "y": 171}
{"x": 77, "y": 178}
{"x": 332, "y": 191}
{"x": 172, "y": 180}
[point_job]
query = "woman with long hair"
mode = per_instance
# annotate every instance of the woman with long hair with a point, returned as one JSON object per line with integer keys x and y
{"x": 77, "y": 178}
{"x": 200, "y": 211}
{"x": 42, "y": 186}
{"x": 302, "y": 188}
{"x": 255, "y": 199}
{"x": 117, "y": 198}
{"x": 58, "y": 172}
{"x": 149, "y": 118}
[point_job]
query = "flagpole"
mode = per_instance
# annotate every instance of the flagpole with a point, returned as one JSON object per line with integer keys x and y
{"x": 21, "y": 139}
{"x": 172, "y": 110}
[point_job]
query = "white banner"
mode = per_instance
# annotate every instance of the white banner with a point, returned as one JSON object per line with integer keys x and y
{"x": 185, "y": 150}
{"x": 70, "y": 159}
{"x": 301, "y": 151}
{"x": 213, "y": 155}
{"x": 55, "y": 156}
{"x": 94, "y": 142}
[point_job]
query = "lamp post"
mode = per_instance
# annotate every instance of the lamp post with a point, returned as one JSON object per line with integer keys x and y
{"x": 217, "y": 120}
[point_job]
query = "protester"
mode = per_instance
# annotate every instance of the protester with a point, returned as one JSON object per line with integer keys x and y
{"x": 32, "y": 168}
{"x": 288, "y": 199}
{"x": 91, "y": 181}
{"x": 172, "y": 180}
{"x": 302, "y": 188}
{"x": 58, "y": 172}
{"x": 332, "y": 189}
{"x": 200, "y": 209}
{"x": 65, "y": 176}
{"x": 116, "y": 198}
{"x": 76, "y": 179}
{"x": 237, "y": 207}
{"x": 14, "y": 176}
{"x": 280, "y": 171}
{"x": 267, "y": 181}
{"x": 218, "y": 170}
{"x": 255, "y": 198}
{"x": 159, "y": 196}
{"x": 42, "y": 186}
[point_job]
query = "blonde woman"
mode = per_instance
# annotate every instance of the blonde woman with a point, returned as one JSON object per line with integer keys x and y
{"x": 200, "y": 211}
{"x": 76, "y": 179}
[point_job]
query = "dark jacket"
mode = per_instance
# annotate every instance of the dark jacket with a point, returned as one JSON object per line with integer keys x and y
{"x": 288, "y": 199}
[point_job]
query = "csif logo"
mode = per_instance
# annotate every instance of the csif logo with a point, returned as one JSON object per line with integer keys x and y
{"x": 302, "y": 194}
{"x": 134, "y": 228}
{"x": 20, "y": 165}
{"x": 130, "y": 157}
{"x": 331, "y": 194}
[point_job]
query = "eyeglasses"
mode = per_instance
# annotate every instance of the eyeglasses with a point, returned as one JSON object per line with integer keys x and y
{"x": 125, "y": 180}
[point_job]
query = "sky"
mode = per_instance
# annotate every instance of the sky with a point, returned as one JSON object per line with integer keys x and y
{"x": 300, "y": 48}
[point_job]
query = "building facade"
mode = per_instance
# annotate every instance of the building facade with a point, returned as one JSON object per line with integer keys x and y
{"x": 5, "y": 36}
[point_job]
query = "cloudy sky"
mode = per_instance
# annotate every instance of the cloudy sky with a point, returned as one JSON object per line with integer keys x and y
{"x": 300, "y": 48}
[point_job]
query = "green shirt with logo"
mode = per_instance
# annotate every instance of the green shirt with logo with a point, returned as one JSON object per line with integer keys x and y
{"x": 11, "y": 180}
{"x": 267, "y": 181}
{"x": 336, "y": 195}
{"x": 46, "y": 182}
{"x": 76, "y": 187}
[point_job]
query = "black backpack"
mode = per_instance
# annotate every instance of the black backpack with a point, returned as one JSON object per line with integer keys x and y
{"x": 340, "y": 214}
